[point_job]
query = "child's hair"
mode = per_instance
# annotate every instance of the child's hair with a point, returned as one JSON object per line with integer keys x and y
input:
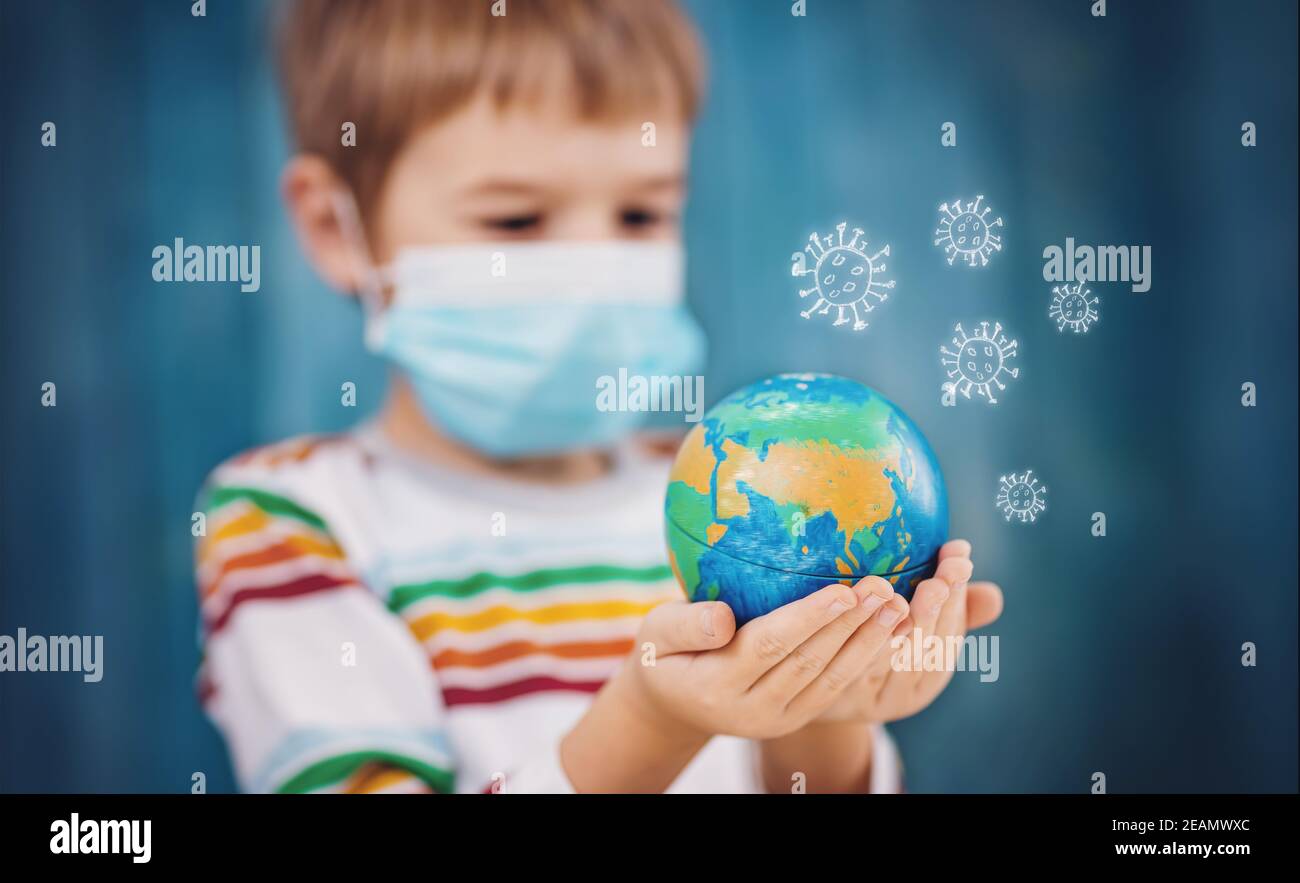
{"x": 392, "y": 67}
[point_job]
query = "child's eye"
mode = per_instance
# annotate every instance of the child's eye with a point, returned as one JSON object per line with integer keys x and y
{"x": 639, "y": 218}
{"x": 514, "y": 223}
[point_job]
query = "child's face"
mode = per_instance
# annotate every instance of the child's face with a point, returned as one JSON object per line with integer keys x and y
{"x": 530, "y": 173}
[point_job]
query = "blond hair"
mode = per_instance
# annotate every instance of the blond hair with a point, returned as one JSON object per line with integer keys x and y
{"x": 392, "y": 67}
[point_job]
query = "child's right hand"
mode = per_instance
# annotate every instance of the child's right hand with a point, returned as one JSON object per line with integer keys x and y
{"x": 773, "y": 676}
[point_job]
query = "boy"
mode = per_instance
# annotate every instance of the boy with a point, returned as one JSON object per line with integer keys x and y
{"x": 467, "y": 593}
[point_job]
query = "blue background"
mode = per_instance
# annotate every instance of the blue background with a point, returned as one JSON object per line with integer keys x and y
{"x": 1118, "y": 654}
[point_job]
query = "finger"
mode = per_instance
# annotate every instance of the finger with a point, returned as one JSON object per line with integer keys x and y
{"x": 950, "y": 613}
{"x": 983, "y": 604}
{"x": 955, "y": 549}
{"x": 949, "y": 631}
{"x": 936, "y": 615}
{"x": 902, "y": 627}
{"x": 933, "y": 594}
{"x": 952, "y": 618}
{"x": 859, "y": 653}
{"x": 683, "y": 627}
{"x": 878, "y": 668}
{"x": 902, "y": 631}
{"x": 765, "y": 641}
{"x": 785, "y": 679}
{"x": 927, "y": 602}
{"x": 954, "y": 569}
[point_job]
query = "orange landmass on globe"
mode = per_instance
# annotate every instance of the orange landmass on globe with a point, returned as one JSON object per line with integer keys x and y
{"x": 849, "y": 483}
{"x": 695, "y": 462}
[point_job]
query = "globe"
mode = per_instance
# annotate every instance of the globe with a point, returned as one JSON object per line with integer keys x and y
{"x": 799, "y": 481}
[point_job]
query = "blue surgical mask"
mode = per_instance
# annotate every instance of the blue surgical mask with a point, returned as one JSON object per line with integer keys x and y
{"x": 504, "y": 343}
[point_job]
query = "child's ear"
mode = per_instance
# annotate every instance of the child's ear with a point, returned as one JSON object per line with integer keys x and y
{"x": 311, "y": 189}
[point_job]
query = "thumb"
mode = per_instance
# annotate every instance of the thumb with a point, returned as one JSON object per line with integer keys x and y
{"x": 683, "y": 627}
{"x": 983, "y": 604}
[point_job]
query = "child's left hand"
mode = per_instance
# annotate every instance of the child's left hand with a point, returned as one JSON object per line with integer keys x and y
{"x": 945, "y": 606}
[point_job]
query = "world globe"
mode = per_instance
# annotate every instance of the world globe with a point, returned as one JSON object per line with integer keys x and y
{"x": 797, "y": 482}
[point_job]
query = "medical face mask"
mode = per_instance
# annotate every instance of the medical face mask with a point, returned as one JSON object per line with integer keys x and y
{"x": 505, "y": 343}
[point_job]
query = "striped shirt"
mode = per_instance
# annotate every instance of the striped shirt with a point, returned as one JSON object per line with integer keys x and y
{"x": 372, "y": 622}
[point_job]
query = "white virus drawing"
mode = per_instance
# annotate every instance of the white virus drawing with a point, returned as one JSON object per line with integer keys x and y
{"x": 967, "y": 232}
{"x": 979, "y": 361}
{"x": 844, "y": 277}
{"x": 1073, "y": 306}
{"x": 1021, "y": 496}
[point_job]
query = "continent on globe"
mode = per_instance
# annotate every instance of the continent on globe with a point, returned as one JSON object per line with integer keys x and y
{"x": 799, "y": 481}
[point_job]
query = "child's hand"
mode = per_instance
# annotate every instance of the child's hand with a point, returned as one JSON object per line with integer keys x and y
{"x": 945, "y": 606}
{"x": 692, "y": 675}
{"x": 825, "y": 657}
{"x": 773, "y": 676}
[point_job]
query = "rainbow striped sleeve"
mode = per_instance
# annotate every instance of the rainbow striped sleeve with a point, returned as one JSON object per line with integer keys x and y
{"x": 315, "y": 684}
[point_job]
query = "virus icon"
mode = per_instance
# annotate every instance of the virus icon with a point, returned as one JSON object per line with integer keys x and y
{"x": 967, "y": 232}
{"x": 1021, "y": 496}
{"x": 979, "y": 361}
{"x": 844, "y": 276}
{"x": 1073, "y": 307}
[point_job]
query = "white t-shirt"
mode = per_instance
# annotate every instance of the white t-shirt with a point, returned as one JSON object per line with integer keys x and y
{"x": 372, "y": 622}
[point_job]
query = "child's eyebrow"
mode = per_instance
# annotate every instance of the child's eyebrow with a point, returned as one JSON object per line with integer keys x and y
{"x": 504, "y": 187}
{"x": 662, "y": 182}
{"x": 522, "y": 187}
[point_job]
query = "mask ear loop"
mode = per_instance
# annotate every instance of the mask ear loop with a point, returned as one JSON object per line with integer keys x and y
{"x": 373, "y": 280}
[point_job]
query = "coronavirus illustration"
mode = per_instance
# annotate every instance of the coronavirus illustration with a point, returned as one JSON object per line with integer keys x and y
{"x": 845, "y": 276}
{"x": 979, "y": 361}
{"x": 1021, "y": 496}
{"x": 1073, "y": 306}
{"x": 966, "y": 232}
